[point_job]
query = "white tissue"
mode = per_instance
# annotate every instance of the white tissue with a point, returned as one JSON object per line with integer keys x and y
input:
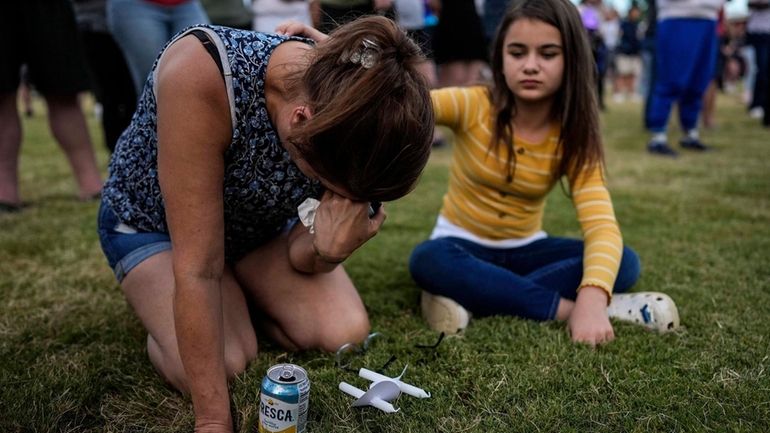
{"x": 306, "y": 212}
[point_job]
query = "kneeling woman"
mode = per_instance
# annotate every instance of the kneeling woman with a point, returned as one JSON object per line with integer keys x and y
{"x": 233, "y": 131}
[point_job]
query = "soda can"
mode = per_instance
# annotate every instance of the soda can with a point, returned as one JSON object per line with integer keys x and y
{"x": 284, "y": 399}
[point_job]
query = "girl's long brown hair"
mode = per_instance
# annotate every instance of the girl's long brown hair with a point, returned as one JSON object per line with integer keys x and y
{"x": 574, "y": 106}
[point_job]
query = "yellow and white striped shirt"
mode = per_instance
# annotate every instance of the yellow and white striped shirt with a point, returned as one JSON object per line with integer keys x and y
{"x": 481, "y": 201}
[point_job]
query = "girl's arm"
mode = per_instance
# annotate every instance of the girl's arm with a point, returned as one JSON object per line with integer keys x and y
{"x": 193, "y": 132}
{"x": 341, "y": 226}
{"x": 603, "y": 250}
{"x": 603, "y": 243}
{"x": 458, "y": 107}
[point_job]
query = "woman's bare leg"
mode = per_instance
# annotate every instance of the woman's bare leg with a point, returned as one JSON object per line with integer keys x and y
{"x": 302, "y": 311}
{"x": 149, "y": 288}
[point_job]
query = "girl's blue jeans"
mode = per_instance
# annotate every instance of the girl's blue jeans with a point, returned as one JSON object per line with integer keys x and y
{"x": 526, "y": 281}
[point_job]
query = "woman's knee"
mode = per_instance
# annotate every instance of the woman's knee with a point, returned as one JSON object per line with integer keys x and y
{"x": 354, "y": 330}
{"x": 168, "y": 364}
{"x": 332, "y": 332}
{"x": 238, "y": 354}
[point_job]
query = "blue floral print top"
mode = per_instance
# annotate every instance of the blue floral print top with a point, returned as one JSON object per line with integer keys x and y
{"x": 262, "y": 186}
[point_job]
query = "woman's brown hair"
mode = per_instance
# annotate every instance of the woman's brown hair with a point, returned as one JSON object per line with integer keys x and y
{"x": 372, "y": 127}
{"x": 574, "y": 106}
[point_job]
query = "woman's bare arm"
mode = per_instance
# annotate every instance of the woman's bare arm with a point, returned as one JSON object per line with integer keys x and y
{"x": 193, "y": 132}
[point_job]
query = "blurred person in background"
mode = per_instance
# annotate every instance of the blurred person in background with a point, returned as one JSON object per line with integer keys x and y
{"x": 334, "y": 13}
{"x": 708, "y": 112}
{"x": 269, "y": 13}
{"x": 628, "y": 61}
{"x": 25, "y": 91}
{"x": 43, "y": 35}
{"x": 766, "y": 107}
{"x": 411, "y": 15}
{"x": 142, "y": 27}
{"x": 647, "y": 79}
{"x": 494, "y": 10}
{"x": 591, "y": 13}
{"x": 685, "y": 57}
{"x": 736, "y": 66}
{"x": 110, "y": 79}
{"x": 459, "y": 44}
{"x": 610, "y": 30}
{"x": 228, "y": 13}
{"x": 758, "y": 36}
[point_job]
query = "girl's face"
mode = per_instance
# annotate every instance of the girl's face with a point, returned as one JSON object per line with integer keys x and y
{"x": 533, "y": 60}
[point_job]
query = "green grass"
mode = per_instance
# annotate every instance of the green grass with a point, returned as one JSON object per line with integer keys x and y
{"x": 73, "y": 358}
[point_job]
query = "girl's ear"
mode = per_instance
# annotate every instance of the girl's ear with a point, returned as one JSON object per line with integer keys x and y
{"x": 300, "y": 114}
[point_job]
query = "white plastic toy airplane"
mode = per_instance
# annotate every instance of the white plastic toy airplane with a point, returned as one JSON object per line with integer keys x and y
{"x": 382, "y": 391}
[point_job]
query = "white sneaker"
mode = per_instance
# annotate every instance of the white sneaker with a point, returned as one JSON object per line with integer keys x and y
{"x": 757, "y": 113}
{"x": 443, "y": 314}
{"x": 653, "y": 310}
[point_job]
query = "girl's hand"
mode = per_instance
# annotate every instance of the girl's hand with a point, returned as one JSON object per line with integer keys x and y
{"x": 589, "y": 322}
{"x": 296, "y": 28}
{"x": 342, "y": 225}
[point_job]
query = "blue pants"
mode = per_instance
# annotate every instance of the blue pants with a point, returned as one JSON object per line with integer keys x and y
{"x": 761, "y": 44}
{"x": 142, "y": 29}
{"x": 685, "y": 57}
{"x": 527, "y": 281}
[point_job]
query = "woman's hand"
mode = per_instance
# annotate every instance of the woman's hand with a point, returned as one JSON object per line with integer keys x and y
{"x": 588, "y": 322}
{"x": 342, "y": 225}
{"x": 213, "y": 427}
{"x": 296, "y": 28}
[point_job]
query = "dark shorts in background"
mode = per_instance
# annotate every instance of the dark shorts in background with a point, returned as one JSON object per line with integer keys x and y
{"x": 459, "y": 36}
{"x": 43, "y": 35}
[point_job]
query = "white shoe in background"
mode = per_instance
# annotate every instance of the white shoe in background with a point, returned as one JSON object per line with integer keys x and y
{"x": 757, "y": 113}
{"x": 443, "y": 314}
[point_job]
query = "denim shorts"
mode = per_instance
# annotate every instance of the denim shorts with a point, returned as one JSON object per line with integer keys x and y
{"x": 125, "y": 247}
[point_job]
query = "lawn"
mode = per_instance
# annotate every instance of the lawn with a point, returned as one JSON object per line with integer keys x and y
{"x": 73, "y": 357}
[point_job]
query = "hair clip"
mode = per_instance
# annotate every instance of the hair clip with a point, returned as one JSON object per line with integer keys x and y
{"x": 365, "y": 56}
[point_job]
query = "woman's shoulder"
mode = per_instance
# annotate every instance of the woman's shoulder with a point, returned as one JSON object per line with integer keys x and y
{"x": 184, "y": 63}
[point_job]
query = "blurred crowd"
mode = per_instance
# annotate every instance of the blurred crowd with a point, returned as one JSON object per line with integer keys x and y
{"x": 108, "y": 47}
{"x": 625, "y": 48}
